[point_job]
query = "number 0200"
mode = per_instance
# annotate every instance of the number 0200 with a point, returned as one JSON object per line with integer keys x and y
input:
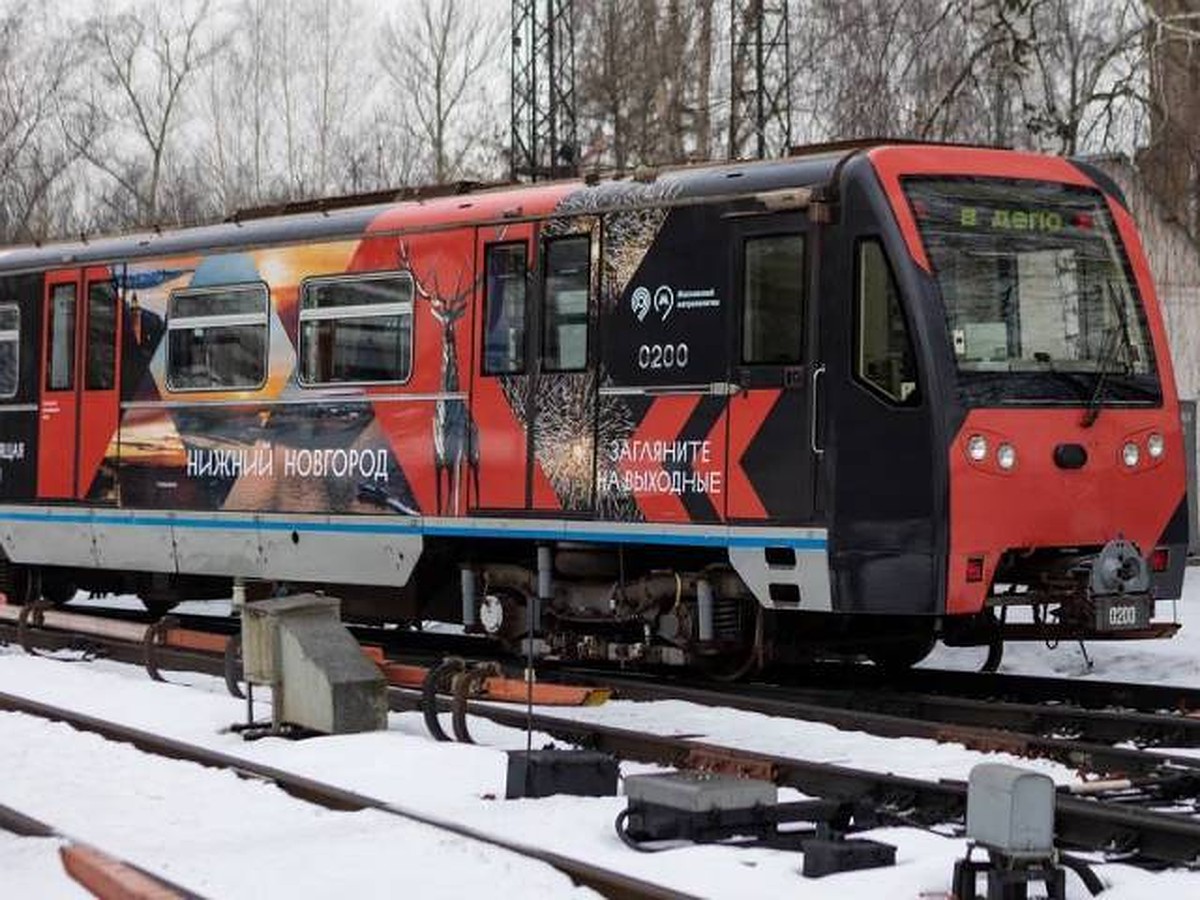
{"x": 663, "y": 356}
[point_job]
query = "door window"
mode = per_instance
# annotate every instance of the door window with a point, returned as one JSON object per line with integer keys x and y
{"x": 101, "y": 366}
{"x": 10, "y": 347}
{"x": 885, "y": 358}
{"x": 504, "y": 305}
{"x": 60, "y": 373}
{"x": 565, "y": 315}
{"x": 773, "y": 299}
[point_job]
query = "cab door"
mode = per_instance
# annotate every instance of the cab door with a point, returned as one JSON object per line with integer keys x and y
{"x": 773, "y": 441}
{"x": 79, "y": 404}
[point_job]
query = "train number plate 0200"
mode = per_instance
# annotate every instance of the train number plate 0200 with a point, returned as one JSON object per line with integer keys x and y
{"x": 1122, "y": 613}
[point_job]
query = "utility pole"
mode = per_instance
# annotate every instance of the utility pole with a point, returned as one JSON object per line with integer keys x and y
{"x": 760, "y": 83}
{"x": 545, "y": 142}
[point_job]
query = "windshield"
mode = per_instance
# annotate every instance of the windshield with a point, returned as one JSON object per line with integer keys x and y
{"x": 1038, "y": 301}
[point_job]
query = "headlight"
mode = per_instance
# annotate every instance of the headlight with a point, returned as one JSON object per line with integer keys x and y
{"x": 977, "y": 447}
{"x": 1006, "y": 456}
{"x": 1156, "y": 446}
{"x": 1130, "y": 454}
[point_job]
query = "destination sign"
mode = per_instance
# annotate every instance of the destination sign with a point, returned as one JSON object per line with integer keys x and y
{"x": 1011, "y": 219}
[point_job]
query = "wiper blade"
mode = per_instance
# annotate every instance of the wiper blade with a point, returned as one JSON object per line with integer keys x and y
{"x": 1115, "y": 339}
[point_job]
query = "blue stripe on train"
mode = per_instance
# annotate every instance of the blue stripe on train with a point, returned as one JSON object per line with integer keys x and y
{"x": 400, "y": 526}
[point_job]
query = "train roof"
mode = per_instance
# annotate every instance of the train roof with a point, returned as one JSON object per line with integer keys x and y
{"x": 332, "y": 220}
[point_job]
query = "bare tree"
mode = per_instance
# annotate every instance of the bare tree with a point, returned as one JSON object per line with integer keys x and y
{"x": 1084, "y": 73}
{"x": 239, "y": 106}
{"x": 38, "y": 89}
{"x": 146, "y": 57}
{"x": 435, "y": 53}
{"x": 645, "y": 81}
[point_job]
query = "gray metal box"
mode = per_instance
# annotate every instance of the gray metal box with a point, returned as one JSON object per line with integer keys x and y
{"x": 699, "y": 791}
{"x": 320, "y": 679}
{"x": 1011, "y": 809}
{"x": 260, "y": 630}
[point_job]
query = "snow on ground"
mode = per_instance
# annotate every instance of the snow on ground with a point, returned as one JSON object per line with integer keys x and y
{"x": 463, "y": 783}
{"x": 223, "y": 836}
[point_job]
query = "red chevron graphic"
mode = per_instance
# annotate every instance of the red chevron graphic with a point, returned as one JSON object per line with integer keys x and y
{"x": 747, "y": 413}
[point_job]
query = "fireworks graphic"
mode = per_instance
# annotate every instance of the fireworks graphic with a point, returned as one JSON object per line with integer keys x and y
{"x": 576, "y": 427}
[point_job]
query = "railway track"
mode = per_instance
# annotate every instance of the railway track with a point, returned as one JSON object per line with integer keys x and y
{"x": 1067, "y": 723}
{"x": 1124, "y": 816}
{"x": 99, "y": 871}
{"x": 607, "y": 882}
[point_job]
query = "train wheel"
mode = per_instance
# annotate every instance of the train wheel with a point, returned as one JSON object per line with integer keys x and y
{"x": 20, "y": 584}
{"x": 158, "y": 608}
{"x": 747, "y": 661}
{"x": 58, "y": 589}
{"x": 901, "y": 655}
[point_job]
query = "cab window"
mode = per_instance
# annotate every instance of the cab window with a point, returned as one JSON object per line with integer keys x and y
{"x": 884, "y": 360}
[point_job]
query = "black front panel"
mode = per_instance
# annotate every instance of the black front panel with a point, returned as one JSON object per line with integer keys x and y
{"x": 20, "y": 312}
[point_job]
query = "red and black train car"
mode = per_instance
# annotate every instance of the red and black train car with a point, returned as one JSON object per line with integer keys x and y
{"x": 856, "y": 395}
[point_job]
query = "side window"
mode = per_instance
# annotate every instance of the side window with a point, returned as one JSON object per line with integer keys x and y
{"x": 60, "y": 373}
{"x": 773, "y": 299}
{"x": 565, "y": 314}
{"x": 100, "y": 370}
{"x": 217, "y": 339}
{"x": 356, "y": 329}
{"x": 10, "y": 347}
{"x": 504, "y": 306}
{"x": 885, "y": 358}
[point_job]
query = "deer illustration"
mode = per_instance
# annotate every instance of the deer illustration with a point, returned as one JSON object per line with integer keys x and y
{"x": 455, "y": 434}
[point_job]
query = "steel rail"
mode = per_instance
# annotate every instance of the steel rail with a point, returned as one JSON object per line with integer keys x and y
{"x": 1080, "y": 824}
{"x": 1023, "y": 730}
{"x": 23, "y": 825}
{"x": 851, "y": 711}
{"x": 606, "y": 881}
{"x": 1083, "y": 692}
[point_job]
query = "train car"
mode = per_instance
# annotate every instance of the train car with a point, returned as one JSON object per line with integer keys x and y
{"x": 720, "y": 415}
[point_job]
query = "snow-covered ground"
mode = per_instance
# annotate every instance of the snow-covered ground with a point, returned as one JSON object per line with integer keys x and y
{"x": 224, "y": 838}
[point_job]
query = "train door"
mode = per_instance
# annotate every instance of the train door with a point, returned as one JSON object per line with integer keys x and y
{"x": 773, "y": 439}
{"x": 80, "y": 406}
{"x": 501, "y": 373}
{"x": 562, "y": 391}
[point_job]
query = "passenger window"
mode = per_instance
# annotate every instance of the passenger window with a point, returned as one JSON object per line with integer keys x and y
{"x": 504, "y": 306}
{"x": 101, "y": 366}
{"x": 60, "y": 374}
{"x": 10, "y": 349}
{"x": 565, "y": 317}
{"x": 885, "y": 358}
{"x": 773, "y": 299}
{"x": 356, "y": 329}
{"x": 217, "y": 339}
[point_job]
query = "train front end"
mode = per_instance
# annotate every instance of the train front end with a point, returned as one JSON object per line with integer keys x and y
{"x": 1065, "y": 458}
